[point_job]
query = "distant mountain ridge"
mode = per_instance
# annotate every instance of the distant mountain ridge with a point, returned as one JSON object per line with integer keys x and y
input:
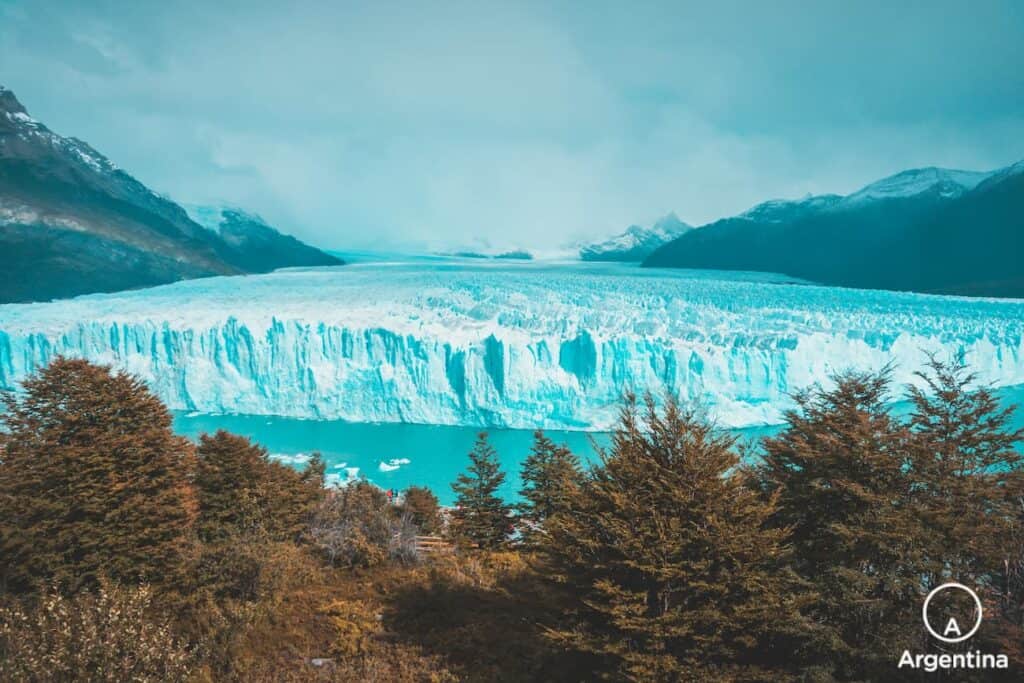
{"x": 259, "y": 247}
{"x": 928, "y": 230}
{"x": 71, "y": 222}
{"x": 637, "y": 242}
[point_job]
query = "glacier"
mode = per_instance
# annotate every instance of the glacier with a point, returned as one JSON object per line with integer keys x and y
{"x": 521, "y": 345}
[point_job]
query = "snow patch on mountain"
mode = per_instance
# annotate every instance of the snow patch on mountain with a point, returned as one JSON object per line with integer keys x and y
{"x": 779, "y": 210}
{"x": 637, "y": 242}
{"x": 948, "y": 183}
{"x": 212, "y": 217}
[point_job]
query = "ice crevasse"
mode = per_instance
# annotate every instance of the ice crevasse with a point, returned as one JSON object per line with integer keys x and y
{"x": 502, "y": 346}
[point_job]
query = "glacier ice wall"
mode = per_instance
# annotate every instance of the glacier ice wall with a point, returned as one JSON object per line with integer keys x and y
{"x": 515, "y": 346}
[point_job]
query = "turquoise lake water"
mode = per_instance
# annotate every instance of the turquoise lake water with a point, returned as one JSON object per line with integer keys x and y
{"x": 359, "y": 360}
{"x": 402, "y": 455}
{"x": 435, "y": 454}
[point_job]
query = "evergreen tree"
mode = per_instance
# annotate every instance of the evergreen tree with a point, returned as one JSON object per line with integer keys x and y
{"x": 839, "y": 470}
{"x": 551, "y": 474}
{"x": 1004, "y": 622}
{"x": 241, "y": 491}
{"x": 481, "y": 516}
{"x": 92, "y": 482}
{"x": 968, "y": 483}
{"x": 248, "y": 506}
{"x": 423, "y": 509}
{"x": 963, "y": 455}
{"x": 230, "y": 482}
{"x": 668, "y": 551}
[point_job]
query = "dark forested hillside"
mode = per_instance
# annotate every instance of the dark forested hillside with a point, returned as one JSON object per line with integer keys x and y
{"x": 71, "y": 223}
{"x": 947, "y": 238}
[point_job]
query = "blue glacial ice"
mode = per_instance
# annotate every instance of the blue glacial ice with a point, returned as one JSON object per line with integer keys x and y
{"x": 507, "y": 345}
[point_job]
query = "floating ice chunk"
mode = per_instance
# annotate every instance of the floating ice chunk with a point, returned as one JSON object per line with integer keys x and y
{"x": 333, "y": 479}
{"x": 290, "y": 458}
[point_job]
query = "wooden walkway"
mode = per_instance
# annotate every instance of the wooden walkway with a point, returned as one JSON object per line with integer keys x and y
{"x": 428, "y": 545}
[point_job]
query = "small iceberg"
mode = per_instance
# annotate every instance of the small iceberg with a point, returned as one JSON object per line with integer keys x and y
{"x": 290, "y": 459}
{"x": 336, "y": 479}
{"x": 393, "y": 464}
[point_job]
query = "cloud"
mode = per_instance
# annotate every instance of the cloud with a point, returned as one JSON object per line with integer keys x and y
{"x": 516, "y": 124}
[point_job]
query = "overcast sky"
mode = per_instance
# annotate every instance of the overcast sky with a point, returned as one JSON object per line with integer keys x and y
{"x": 444, "y": 124}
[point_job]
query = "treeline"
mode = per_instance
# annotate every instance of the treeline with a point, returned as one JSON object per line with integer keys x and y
{"x": 678, "y": 560}
{"x": 128, "y": 553}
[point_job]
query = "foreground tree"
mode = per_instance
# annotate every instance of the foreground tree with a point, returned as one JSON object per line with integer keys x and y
{"x": 839, "y": 471}
{"x": 481, "y": 516}
{"x": 669, "y": 554}
{"x": 963, "y": 459}
{"x": 241, "y": 491}
{"x": 551, "y": 477}
{"x": 356, "y": 526}
{"x": 423, "y": 509}
{"x": 92, "y": 481}
{"x": 968, "y": 483}
{"x": 248, "y": 505}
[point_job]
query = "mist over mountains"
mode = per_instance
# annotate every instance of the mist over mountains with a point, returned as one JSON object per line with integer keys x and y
{"x": 71, "y": 222}
{"x": 637, "y": 242}
{"x": 926, "y": 230}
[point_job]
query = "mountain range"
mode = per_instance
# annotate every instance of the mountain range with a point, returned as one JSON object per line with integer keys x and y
{"x": 72, "y": 223}
{"x": 637, "y": 242}
{"x": 926, "y": 230}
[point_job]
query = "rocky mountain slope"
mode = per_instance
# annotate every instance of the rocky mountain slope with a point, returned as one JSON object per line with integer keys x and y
{"x": 256, "y": 247}
{"x": 926, "y": 230}
{"x": 637, "y": 242}
{"x": 72, "y": 223}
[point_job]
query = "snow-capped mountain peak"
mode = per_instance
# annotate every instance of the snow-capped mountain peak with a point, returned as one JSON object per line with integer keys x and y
{"x": 212, "y": 217}
{"x": 100, "y": 229}
{"x": 15, "y": 120}
{"x": 636, "y": 242}
{"x": 778, "y": 210}
{"x": 669, "y": 224}
{"x": 947, "y": 182}
{"x": 9, "y": 104}
{"x": 258, "y": 244}
{"x": 1004, "y": 173}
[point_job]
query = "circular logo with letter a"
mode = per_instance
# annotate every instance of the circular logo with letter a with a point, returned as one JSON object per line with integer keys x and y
{"x": 955, "y": 626}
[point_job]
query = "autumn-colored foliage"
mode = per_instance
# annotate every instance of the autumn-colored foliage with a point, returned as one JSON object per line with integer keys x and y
{"x": 128, "y": 553}
{"x": 672, "y": 560}
{"x": 107, "y": 634}
{"x": 423, "y": 509}
{"x": 93, "y": 482}
{"x": 242, "y": 491}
